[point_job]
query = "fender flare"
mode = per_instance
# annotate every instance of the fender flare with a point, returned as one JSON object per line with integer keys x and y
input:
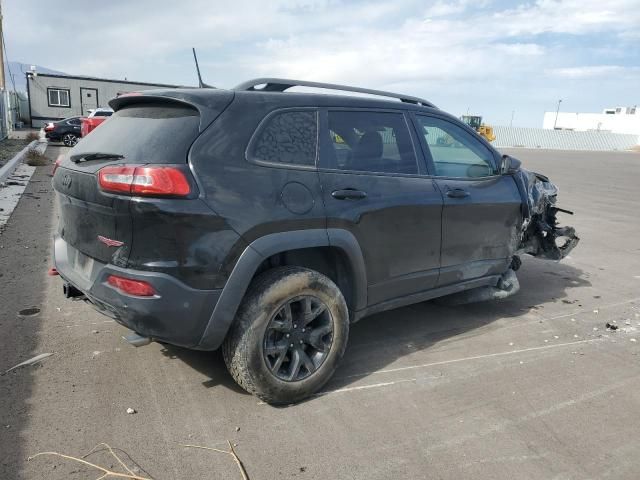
{"x": 255, "y": 253}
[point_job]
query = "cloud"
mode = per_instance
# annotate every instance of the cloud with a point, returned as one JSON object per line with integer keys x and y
{"x": 590, "y": 71}
{"x": 458, "y": 53}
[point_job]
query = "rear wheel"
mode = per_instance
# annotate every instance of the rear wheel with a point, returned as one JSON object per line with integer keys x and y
{"x": 288, "y": 336}
{"x": 69, "y": 139}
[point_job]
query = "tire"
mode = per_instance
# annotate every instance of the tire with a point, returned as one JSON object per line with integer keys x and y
{"x": 257, "y": 350}
{"x": 69, "y": 139}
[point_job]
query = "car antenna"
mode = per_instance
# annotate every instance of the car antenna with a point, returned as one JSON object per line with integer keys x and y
{"x": 201, "y": 84}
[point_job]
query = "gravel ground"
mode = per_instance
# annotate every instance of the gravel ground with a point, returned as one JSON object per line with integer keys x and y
{"x": 8, "y": 148}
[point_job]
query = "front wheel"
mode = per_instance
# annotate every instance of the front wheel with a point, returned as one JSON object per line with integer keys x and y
{"x": 69, "y": 139}
{"x": 289, "y": 335}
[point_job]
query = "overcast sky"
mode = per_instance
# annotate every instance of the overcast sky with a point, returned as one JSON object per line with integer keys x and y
{"x": 487, "y": 57}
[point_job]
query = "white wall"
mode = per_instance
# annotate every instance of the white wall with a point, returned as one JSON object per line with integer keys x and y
{"x": 593, "y": 121}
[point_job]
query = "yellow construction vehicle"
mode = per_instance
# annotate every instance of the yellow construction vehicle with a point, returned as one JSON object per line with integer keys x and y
{"x": 475, "y": 122}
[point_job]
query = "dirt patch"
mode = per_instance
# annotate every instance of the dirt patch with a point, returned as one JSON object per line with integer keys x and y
{"x": 8, "y": 148}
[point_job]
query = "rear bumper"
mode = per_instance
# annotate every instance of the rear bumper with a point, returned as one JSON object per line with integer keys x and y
{"x": 178, "y": 314}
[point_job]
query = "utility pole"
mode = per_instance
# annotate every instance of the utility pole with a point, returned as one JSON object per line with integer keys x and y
{"x": 5, "y": 121}
{"x": 2, "y": 80}
{"x": 557, "y": 111}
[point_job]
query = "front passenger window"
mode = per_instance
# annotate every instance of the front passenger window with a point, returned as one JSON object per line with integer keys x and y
{"x": 367, "y": 141}
{"x": 455, "y": 152}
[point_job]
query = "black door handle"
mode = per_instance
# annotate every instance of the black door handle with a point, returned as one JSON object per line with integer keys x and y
{"x": 348, "y": 194}
{"x": 457, "y": 193}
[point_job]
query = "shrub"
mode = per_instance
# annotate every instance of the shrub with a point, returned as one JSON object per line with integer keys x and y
{"x": 36, "y": 159}
{"x": 31, "y": 136}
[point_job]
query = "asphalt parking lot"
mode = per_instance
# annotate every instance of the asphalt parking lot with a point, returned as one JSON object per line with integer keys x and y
{"x": 534, "y": 387}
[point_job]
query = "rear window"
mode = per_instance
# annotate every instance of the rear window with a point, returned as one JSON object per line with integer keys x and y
{"x": 156, "y": 133}
{"x": 288, "y": 138}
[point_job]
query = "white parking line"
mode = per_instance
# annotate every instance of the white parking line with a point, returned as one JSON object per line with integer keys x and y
{"x": 476, "y": 357}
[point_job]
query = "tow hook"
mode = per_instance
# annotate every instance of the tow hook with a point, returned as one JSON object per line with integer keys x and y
{"x": 70, "y": 291}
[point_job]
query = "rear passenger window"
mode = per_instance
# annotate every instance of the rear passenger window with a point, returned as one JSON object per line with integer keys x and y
{"x": 370, "y": 142}
{"x": 289, "y": 138}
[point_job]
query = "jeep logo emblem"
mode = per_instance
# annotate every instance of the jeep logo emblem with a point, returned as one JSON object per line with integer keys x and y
{"x": 66, "y": 181}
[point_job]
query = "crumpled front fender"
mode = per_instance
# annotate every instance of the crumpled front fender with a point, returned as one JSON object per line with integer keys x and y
{"x": 541, "y": 236}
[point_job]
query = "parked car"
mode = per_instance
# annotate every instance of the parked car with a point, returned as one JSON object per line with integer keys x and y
{"x": 66, "y": 131}
{"x": 95, "y": 118}
{"x": 265, "y": 223}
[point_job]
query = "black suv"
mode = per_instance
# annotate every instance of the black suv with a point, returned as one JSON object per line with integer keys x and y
{"x": 266, "y": 222}
{"x": 66, "y": 131}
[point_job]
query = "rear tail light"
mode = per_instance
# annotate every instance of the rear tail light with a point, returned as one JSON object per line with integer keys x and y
{"x": 145, "y": 181}
{"x": 137, "y": 288}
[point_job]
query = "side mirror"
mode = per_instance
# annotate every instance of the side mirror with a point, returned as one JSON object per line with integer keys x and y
{"x": 509, "y": 165}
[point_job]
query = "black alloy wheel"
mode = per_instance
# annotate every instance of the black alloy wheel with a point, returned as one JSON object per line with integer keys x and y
{"x": 298, "y": 338}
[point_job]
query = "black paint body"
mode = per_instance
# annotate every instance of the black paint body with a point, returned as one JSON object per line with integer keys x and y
{"x": 403, "y": 241}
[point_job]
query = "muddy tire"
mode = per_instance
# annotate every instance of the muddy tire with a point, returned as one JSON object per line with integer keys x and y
{"x": 288, "y": 336}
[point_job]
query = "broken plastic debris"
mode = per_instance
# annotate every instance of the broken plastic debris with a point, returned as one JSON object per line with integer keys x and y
{"x": 131, "y": 411}
{"x": 632, "y": 339}
{"x": 31, "y": 361}
{"x": 611, "y": 326}
{"x": 595, "y": 311}
{"x": 556, "y": 337}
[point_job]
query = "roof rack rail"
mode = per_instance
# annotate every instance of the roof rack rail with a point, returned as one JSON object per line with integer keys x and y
{"x": 282, "y": 84}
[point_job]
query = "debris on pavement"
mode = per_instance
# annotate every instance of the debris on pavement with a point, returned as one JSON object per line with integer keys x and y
{"x": 131, "y": 411}
{"x": 106, "y": 472}
{"x": 231, "y": 452}
{"x": 611, "y": 326}
{"x": 31, "y": 361}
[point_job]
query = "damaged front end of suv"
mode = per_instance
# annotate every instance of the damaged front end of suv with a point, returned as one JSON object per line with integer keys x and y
{"x": 541, "y": 236}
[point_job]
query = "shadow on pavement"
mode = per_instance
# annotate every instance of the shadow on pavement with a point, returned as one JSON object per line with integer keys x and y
{"x": 380, "y": 340}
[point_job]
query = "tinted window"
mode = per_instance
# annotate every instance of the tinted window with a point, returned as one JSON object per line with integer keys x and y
{"x": 371, "y": 142}
{"x": 288, "y": 137}
{"x": 455, "y": 152}
{"x": 103, "y": 113}
{"x": 157, "y": 133}
{"x": 74, "y": 121}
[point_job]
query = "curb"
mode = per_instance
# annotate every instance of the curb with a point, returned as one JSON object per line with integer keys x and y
{"x": 12, "y": 164}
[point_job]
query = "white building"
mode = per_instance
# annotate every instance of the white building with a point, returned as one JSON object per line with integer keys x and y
{"x": 615, "y": 120}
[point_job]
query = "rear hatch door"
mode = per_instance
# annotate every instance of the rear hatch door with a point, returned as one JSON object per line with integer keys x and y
{"x": 144, "y": 129}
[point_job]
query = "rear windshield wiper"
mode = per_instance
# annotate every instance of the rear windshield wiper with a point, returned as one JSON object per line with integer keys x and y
{"x": 87, "y": 157}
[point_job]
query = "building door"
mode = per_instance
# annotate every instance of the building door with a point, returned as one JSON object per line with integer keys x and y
{"x": 88, "y": 99}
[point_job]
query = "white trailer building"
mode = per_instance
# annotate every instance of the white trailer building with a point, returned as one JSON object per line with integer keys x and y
{"x": 55, "y": 97}
{"x": 615, "y": 120}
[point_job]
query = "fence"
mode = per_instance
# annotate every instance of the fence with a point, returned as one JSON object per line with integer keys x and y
{"x": 563, "y": 139}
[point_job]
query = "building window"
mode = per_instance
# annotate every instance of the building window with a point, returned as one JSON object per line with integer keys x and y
{"x": 59, "y": 97}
